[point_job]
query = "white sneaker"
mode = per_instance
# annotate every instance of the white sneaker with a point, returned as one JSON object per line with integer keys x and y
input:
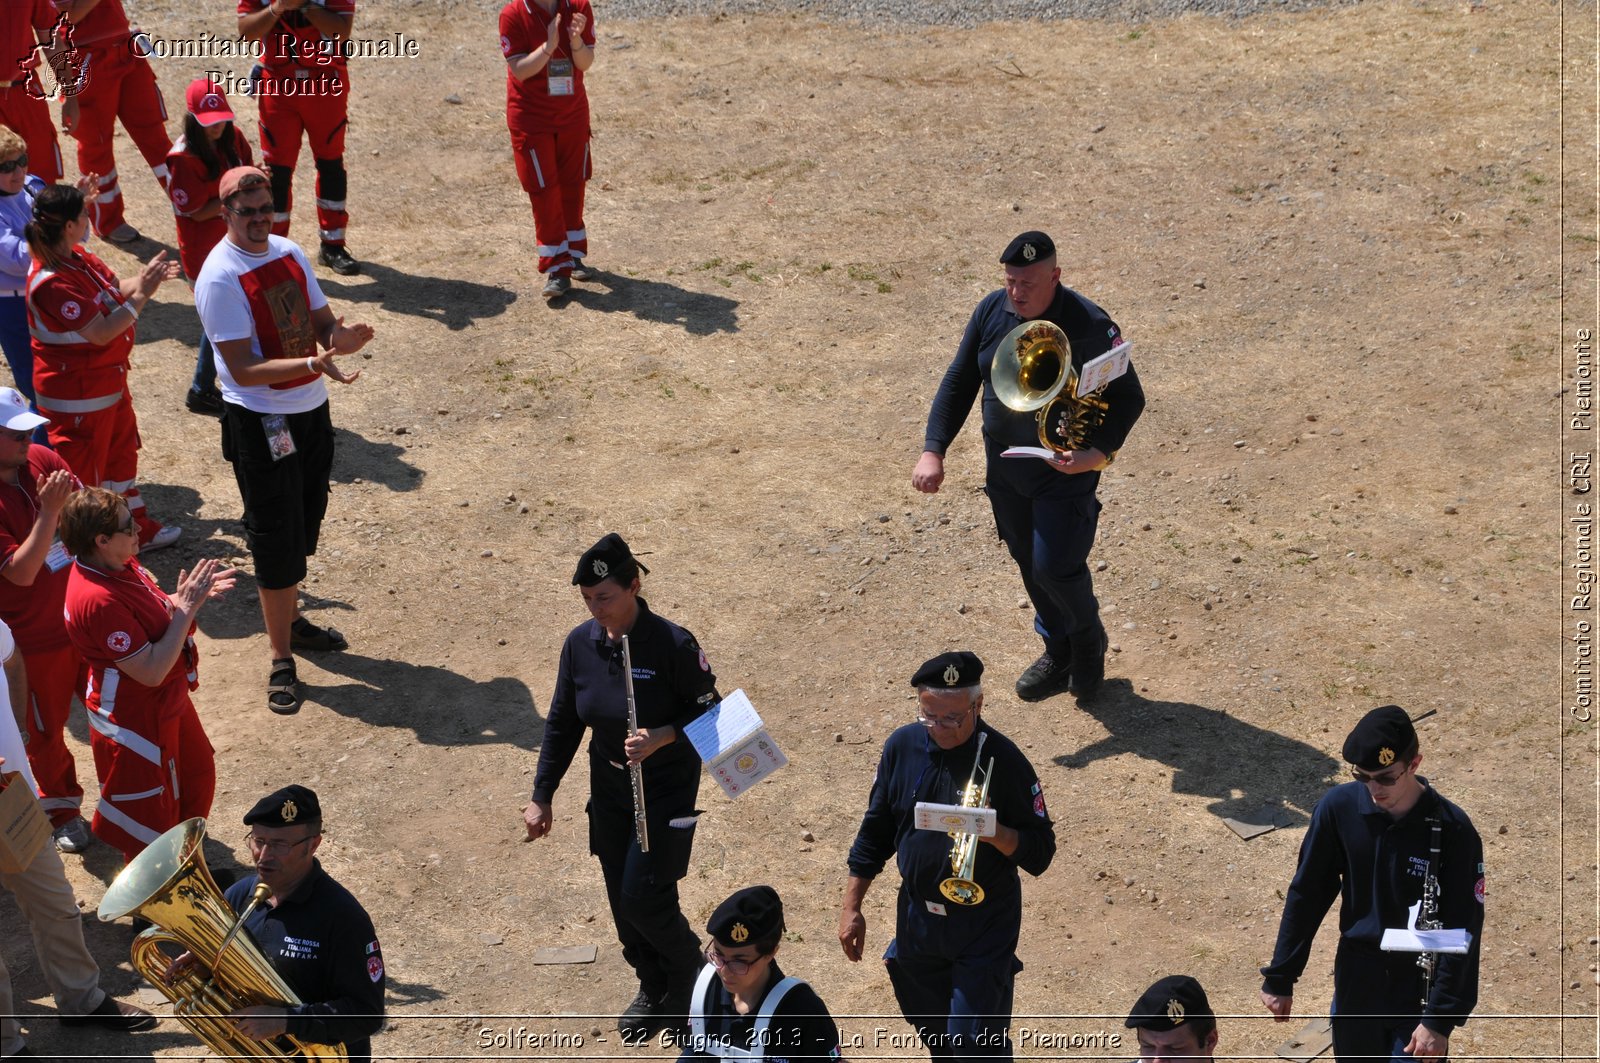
{"x": 165, "y": 537}
{"x": 73, "y": 836}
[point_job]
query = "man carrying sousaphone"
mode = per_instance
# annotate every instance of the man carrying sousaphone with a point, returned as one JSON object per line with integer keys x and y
{"x": 1046, "y": 511}
{"x": 953, "y": 960}
{"x": 314, "y": 933}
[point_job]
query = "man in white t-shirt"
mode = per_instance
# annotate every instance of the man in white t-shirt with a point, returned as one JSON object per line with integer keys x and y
{"x": 275, "y": 338}
{"x": 45, "y": 898}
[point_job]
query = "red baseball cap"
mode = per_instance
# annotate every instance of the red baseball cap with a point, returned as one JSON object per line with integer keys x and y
{"x": 207, "y": 102}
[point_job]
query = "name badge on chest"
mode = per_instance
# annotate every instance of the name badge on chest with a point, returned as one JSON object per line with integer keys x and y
{"x": 560, "y": 77}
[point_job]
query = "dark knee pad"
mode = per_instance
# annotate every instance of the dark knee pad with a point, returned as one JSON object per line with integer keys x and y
{"x": 331, "y": 179}
{"x": 282, "y": 179}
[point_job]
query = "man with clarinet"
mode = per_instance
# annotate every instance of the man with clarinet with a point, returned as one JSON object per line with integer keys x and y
{"x": 1381, "y": 844}
{"x": 634, "y": 680}
{"x": 953, "y": 960}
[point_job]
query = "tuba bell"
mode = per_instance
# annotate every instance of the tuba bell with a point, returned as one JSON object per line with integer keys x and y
{"x": 960, "y": 888}
{"x": 1033, "y": 370}
{"x": 169, "y": 885}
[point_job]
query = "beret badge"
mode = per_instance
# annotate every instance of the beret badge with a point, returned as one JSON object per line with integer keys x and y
{"x": 1175, "y": 1012}
{"x": 740, "y": 933}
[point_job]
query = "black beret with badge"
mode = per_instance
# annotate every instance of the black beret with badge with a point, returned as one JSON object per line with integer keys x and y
{"x": 949, "y": 671}
{"x": 285, "y": 808}
{"x": 1168, "y": 1004}
{"x": 1383, "y": 736}
{"x": 1032, "y": 246}
{"x": 606, "y": 558}
{"x": 752, "y": 914}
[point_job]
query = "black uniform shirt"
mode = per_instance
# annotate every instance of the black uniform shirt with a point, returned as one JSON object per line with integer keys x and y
{"x": 321, "y": 942}
{"x": 1090, "y": 333}
{"x": 801, "y": 1027}
{"x": 672, "y": 684}
{"x": 913, "y": 768}
{"x": 1376, "y": 864}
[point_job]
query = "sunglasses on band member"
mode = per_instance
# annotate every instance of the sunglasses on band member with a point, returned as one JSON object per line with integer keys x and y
{"x": 1388, "y": 778}
{"x": 18, "y": 163}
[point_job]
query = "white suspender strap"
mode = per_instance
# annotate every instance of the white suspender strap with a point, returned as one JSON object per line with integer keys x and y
{"x": 697, "y": 1005}
{"x": 768, "y": 1006}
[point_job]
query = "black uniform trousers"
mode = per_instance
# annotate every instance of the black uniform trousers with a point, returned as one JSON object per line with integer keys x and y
{"x": 642, "y": 888}
{"x": 1377, "y": 1003}
{"x": 1048, "y": 524}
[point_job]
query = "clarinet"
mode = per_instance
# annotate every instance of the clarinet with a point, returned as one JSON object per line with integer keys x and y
{"x": 1428, "y": 917}
{"x": 635, "y": 771}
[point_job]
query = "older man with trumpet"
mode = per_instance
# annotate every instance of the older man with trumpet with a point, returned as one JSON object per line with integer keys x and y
{"x": 953, "y": 960}
{"x": 1025, "y": 348}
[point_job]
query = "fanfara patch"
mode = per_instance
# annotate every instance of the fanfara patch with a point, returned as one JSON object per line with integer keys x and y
{"x": 952, "y": 675}
{"x": 1029, "y": 252}
{"x": 740, "y": 933}
{"x": 375, "y": 967}
{"x": 1175, "y": 1012}
{"x": 601, "y": 569}
{"x": 290, "y": 812}
{"x": 1386, "y": 756}
{"x": 119, "y": 641}
{"x": 1477, "y": 890}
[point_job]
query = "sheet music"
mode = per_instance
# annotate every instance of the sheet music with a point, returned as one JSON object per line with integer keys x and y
{"x": 722, "y": 726}
{"x": 1411, "y": 939}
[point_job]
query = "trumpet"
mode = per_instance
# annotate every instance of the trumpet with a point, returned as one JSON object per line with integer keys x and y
{"x": 960, "y": 888}
{"x": 641, "y": 828}
{"x": 1033, "y": 370}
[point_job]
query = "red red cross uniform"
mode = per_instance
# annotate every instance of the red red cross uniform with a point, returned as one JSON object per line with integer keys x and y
{"x": 190, "y": 188}
{"x": 54, "y": 666}
{"x": 305, "y": 90}
{"x": 550, "y": 133}
{"x": 155, "y": 764}
{"x": 27, "y": 115}
{"x": 118, "y": 85}
{"x": 83, "y": 387}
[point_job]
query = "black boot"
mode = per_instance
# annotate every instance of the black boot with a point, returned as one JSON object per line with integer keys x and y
{"x": 1044, "y": 678}
{"x": 639, "y": 1019}
{"x": 1089, "y": 663}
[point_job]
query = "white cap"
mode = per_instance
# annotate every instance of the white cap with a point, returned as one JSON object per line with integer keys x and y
{"x": 14, "y": 412}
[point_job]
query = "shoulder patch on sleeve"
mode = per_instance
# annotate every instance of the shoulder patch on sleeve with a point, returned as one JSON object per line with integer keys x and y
{"x": 1038, "y": 801}
{"x": 119, "y": 641}
{"x": 1478, "y": 889}
{"x": 374, "y": 961}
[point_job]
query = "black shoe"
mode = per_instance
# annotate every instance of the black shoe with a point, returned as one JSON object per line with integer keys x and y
{"x": 557, "y": 286}
{"x": 208, "y": 403}
{"x": 639, "y": 1019}
{"x": 1089, "y": 665}
{"x": 1044, "y": 678}
{"x": 337, "y": 258}
{"x": 113, "y": 1015}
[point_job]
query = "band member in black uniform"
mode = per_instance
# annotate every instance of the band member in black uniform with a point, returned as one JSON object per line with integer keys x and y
{"x": 1046, "y": 511}
{"x": 743, "y": 1006}
{"x": 952, "y": 964}
{"x": 1173, "y": 1020}
{"x": 314, "y": 933}
{"x": 673, "y": 684}
{"x": 1374, "y": 843}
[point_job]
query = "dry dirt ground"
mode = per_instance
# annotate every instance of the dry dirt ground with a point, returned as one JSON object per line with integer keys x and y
{"x": 1336, "y": 240}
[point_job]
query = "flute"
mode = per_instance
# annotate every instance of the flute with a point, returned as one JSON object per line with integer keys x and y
{"x": 641, "y": 829}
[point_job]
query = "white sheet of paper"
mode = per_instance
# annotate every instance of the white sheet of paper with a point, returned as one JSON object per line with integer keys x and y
{"x": 717, "y": 729}
{"x": 1098, "y": 372}
{"x": 1027, "y": 452}
{"x": 931, "y": 816}
{"x": 1413, "y": 940}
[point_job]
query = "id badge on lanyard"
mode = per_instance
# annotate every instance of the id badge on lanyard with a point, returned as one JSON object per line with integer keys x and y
{"x": 558, "y": 74}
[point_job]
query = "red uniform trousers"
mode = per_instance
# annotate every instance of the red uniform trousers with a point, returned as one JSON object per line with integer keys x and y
{"x": 155, "y": 764}
{"x": 322, "y": 118}
{"x": 119, "y": 85}
{"x": 102, "y": 450}
{"x": 30, "y": 119}
{"x": 554, "y": 169}
{"x": 53, "y": 678}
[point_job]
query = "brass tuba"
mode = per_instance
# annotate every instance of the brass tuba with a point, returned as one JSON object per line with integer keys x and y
{"x": 1033, "y": 370}
{"x": 960, "y": 888}
{"x": 169, "y": 885}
